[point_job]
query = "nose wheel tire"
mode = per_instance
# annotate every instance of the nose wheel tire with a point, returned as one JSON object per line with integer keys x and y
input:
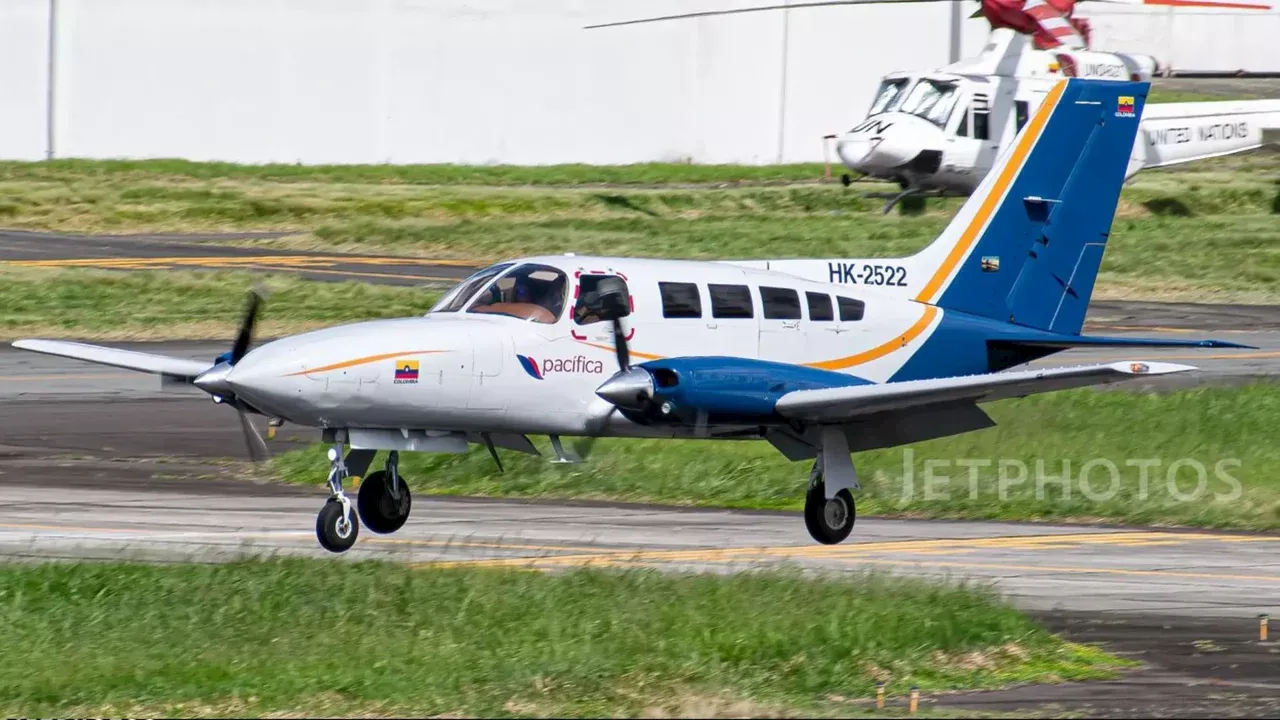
{"x": 829, "y": 521}
{"x": 335, "y": 531}
{"x": 380, "y": 510}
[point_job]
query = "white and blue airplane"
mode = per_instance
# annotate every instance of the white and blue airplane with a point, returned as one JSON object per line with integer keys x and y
{"x": 820, "y": 358}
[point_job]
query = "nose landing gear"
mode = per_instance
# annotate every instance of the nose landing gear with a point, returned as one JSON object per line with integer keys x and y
{"x": 336, "y": 525}
{"x": 384, "y": 499}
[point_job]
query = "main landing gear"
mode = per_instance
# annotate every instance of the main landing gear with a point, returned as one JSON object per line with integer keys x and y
{"x": 384, "y": 499}
{"x": 382, "y": 505}
{"x": 829, "y": 510}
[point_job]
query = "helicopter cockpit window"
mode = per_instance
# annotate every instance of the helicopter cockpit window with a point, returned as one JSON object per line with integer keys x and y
{"x": 888, "y": 95}
{"x": 931, "y": 100}
{"x": 530, "y": 292}
{"x": 458, "y": 298}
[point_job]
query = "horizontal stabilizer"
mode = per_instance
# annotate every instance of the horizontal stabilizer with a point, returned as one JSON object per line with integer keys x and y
{"x": 1070, "y": 341}
{"x": 142, "y": 362}
{"x": 841, "y": 404}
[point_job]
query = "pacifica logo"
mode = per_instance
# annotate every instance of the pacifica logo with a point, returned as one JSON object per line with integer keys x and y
{"x": 577, "y": 365}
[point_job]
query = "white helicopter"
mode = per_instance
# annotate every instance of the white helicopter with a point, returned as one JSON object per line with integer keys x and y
{"x": 938, "y": 133}
{"x": 817, "y": 369}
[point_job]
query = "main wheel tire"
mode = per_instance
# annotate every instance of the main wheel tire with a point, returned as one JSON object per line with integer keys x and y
{"x": 380, "y": 512}
{"x": 829, "y": 521}
{"x": 335, "y": 533}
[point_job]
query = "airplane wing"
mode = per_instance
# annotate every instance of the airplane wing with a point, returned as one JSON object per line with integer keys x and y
{"x": 142, "y": 362}
{"x": 841, "y": 404}
{"x": 1174, "y": 133}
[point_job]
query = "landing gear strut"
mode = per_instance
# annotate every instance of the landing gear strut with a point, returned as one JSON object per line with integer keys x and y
{"x": 384, "y": 500}
{"x": 337, "y": 525}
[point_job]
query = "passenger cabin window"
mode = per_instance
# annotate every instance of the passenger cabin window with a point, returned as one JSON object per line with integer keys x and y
{"x": 530, "y": 292}
{"x": 780, "y": 303}
{"x": 963, "y": 129}
{"x": 1020, "y": 112}
{"x": 851, "y": 310}
{"x": 731, "y": 301}
{"x": 461, "y": 295}
{"x": 981, "y": 117}
{"x": 819, "y": 307}
{"x": 680, "y": 300}
{"x": 982, "y": 125}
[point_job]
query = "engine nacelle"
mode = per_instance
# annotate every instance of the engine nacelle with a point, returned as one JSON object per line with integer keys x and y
{"x": 713, "y": 390}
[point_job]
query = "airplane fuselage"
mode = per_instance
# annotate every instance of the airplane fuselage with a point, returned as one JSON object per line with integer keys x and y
{"x": 465, "y": 370}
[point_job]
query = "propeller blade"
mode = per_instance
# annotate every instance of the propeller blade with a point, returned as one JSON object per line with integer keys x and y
{"x": 620, "y": 346}
{"x": 253, "y": 441}
{"x": 583, "y": 446}
{"x": 245, "y": 335}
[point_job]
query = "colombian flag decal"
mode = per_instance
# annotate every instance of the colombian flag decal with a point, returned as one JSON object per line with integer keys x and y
{"x": 406, "y": 371}
{"x": 1124, "y": 106}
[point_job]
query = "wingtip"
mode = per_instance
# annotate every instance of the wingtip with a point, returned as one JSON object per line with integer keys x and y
{"x": 1140, "y": 367}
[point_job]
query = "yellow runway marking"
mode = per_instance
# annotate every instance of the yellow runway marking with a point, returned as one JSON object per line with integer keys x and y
{"x": 858, "y": 550}
{"x": 353, "y": 273}
{"x": 291, "y": 261}
{"x": 1082, "y": 570}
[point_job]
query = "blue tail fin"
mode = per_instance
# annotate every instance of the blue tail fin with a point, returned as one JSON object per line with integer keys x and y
{"x": 1027, "y": 245}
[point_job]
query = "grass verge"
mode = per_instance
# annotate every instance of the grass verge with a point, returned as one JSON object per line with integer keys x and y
{"x": 1210, "y": 456}
{"x": 1206, "y": 231}
{"x": 171, "y": 304}
{"x": 327, "y": 638}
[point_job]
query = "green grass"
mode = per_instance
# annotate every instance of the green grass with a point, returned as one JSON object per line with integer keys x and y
{"x": 322, "y": 637}
{"x": 167, "y": 304}
{"x": 1207, "y": 231}
{"x": 1226, "y": 430}
{"x": 573, "y": 174}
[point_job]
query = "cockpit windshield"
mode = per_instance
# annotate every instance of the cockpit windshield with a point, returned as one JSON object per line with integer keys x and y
{"x": 458, "y": 298}
{"x": 530, "y": 292}
{"x": 932, "y": 100}
{"x": 888, "y": 95}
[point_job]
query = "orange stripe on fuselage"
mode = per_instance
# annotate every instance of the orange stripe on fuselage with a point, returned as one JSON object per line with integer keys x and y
{"x": 883, "y": 349}
{"x": 363, "y": 361}
{"x": 989, "y": 203}
{"x": 612, "y": 349}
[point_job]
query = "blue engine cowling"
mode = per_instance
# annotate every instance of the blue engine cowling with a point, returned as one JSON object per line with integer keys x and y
{"x": 715, "y": 390}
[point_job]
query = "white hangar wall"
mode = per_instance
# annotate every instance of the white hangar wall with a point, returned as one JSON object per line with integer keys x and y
{"x": 476, "y": 81}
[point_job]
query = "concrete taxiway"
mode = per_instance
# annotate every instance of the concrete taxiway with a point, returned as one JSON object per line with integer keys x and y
{"x": 161, "y": 252}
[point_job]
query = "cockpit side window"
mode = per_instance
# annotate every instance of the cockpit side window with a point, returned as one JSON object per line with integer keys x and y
{"x": 458, "y": 298}
{"x": 530, "y": 292}
{"x": 887, "y": 96}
